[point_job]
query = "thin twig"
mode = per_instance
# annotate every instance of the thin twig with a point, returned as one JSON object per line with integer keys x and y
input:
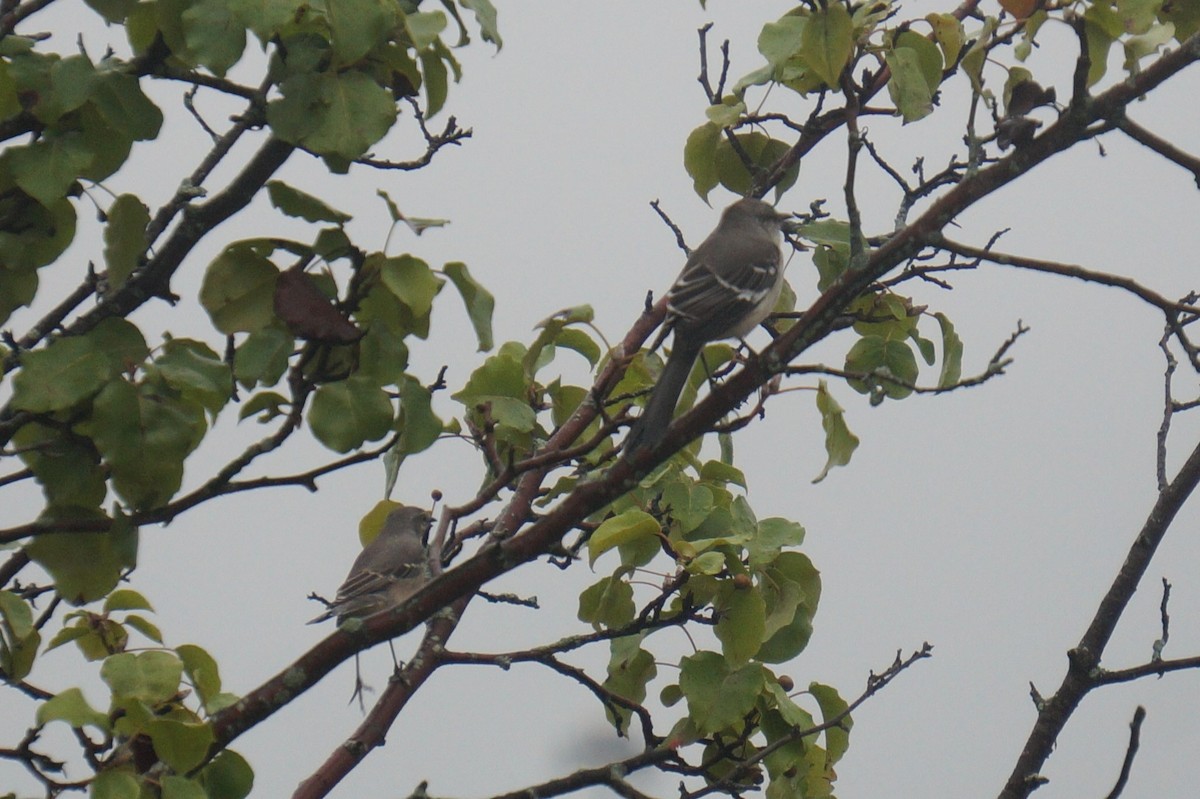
{"x": 1135, "y": 734}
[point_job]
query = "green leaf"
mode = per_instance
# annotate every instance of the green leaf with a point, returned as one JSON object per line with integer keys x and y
{"x": 114, "y": 784}
{"x": 580, "y": 342}
{"x": 382, "y": 356}
{"x": 46, "y": 168}
{"x": 781, "y": 40}
{"x": 358, "y": 26}
{"x": 690, "y": 504}
{"x": 214, "y": 34}
{"x": 294, "y": 202}
{"x": 623, "y": 528}
{"x": 175, "y": 787}
{"x": 202, "y": 672}
{"x": 435, "y": 81}
{"x": 65, "y": 466}
{"x": 71, "y": 81}
{"x": 719, "y": 472}
{"x": 700, "y": 158}
{"x": 126, "y": 599}
{"x": 630, "y": 669}
{"x": 17, "y": 289}
{"x": 269, "y": 403}
{"x": 34, "y": 236}
{"x": 763, "y": 152}
{"x": 71, "y": 706}
{"x": 882, "y": 359}
{"x": 334, "y": 114}
{"x": 128, "y": 111}
{"x": 265, "y": 17}
{"x": 238, "y": 290}
{"x": 227, "y": 776}
{"x": 344, "y": 415}
{"x": 501, "y": 375}
{"x": 607, "y": 604}
{"x": 929, "y": 57}
{"x": 86, "y": 566}
{"x": 419, "y": 426}
{"x": 182, "y": 745}
{"x": 151, "y": 677}
{"x": 791, "y": 587}
{"x": 907, "y": 87}
{"x": 10, "y": 104}
{"x": 479, "y": 302}
{"x": 741, "y": 624}
{"x": 1102, "y": 28}
{"x": 952, "y": 352}
{"x": 511, "y": 413}
{"x": 19, "y": 639}
{"x": 840, "y": 443}
{"x": 827, "y": 41}
{"x": 125, "y": 238}
{"x": 113, "y": 11}
{"x": 1144, "y": 44}
{"x": 262, "y": 359}
{"x": 198, "y": 373}
{"x": 772, "y": 537}
{"x": 144, "y": 436}
{"x": 837, "y": 738}
{"x": 412, "y": 282}
{"x": 725, "y": 115}
{"x": 485, "y": 15}
{"x": 718, "y": 697}
{"x": 424, "y": 27}
{"x": 1184, "y": 16}
{"x": 145, "y": 627}
{"x": 60, "y": 375}
{"x": 17, "y": 615}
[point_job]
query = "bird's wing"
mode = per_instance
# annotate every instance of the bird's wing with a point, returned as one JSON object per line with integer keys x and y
{"x": 705, "y": 296}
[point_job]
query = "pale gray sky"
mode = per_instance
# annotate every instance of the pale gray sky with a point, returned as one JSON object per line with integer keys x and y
{"x": 988, "y": 522}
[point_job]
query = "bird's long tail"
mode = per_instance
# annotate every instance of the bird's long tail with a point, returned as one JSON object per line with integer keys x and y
{"x": 652, "y": 425}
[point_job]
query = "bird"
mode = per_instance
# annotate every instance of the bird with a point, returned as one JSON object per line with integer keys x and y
{"x": 389, "y": 570}
{"x": 729, "y": 285}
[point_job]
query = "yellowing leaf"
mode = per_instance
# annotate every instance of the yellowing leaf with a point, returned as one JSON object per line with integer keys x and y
{"x": 628, "y": 526}
{"x": 827, "y": 42}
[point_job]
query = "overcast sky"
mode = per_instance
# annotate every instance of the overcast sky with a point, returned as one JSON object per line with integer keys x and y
{"x": 988, "y": 522}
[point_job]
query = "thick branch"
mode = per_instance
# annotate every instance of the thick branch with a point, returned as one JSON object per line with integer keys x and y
{"x": 1084, "y": 659}
{"x": 371, "y": 733}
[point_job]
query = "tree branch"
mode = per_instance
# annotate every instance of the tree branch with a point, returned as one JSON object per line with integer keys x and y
{"x": 1084, "y": 659}
{"x": 1072, "y": 271}
{"x": 1135, "y": 734}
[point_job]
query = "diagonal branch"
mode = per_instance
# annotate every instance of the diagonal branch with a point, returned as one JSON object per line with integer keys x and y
{"x": 1084, "y": 659}
{"x": 1072, "y": 271}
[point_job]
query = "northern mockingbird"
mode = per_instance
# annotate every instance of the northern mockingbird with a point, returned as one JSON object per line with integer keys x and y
{"x": 388, "y": 571}
{"x": 729, "y": 284}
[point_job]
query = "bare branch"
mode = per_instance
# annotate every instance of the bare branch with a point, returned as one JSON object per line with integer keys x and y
{"x": 1135, "y": 733}
{"x": 1082, "y": 673}
{"x": 1160, "y": 145}
{"x": 1072, "y": 271}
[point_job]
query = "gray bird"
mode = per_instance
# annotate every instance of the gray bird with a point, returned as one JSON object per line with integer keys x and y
{"x": 388, "y": 571}
{"x": 729, "y": 285}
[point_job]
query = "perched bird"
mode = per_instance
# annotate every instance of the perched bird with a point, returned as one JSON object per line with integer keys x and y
{"x": 388, "y": 571}
{"x": 729, "y": 285}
